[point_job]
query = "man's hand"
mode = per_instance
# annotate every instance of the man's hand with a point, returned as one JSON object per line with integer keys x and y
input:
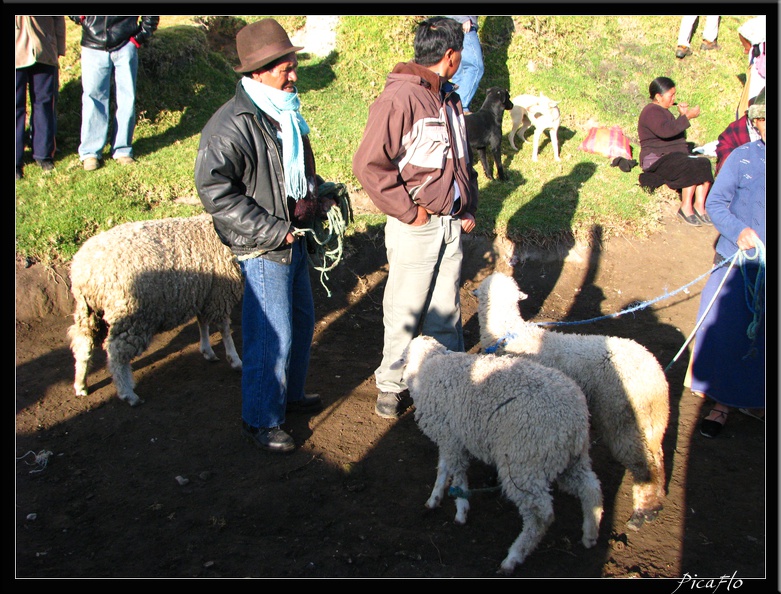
{"x": 467, "y": 223}
{"x": 421, "y": 218}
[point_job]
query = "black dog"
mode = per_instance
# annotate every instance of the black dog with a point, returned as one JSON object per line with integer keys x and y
{"x": 484, "y": 128}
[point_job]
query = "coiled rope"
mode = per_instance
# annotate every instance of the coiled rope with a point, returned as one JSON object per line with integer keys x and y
{"x": 325, "y": 241}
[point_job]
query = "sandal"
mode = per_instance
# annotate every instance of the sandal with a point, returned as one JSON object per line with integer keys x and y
{"x": 712, "y": 427}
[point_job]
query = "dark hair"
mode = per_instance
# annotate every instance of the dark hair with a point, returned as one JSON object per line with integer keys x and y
{"x": 434, "y": 37}
{"x": 661, "y": 84}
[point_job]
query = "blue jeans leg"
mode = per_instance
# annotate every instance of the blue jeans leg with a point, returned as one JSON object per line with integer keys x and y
{"x": 470, "y": 72}
{"x": 96, "y": 88}
{"x": 125, "y": 62}
{"x": 278, "y": 320}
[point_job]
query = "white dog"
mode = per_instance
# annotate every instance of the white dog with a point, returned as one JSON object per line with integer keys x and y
{"x": 540, "y": 112}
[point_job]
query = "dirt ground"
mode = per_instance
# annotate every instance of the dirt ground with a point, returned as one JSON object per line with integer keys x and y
{"x": 169, "y": 489}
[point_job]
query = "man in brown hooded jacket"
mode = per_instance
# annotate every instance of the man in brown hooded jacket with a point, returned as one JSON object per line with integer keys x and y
{"x": 415, "y": 163}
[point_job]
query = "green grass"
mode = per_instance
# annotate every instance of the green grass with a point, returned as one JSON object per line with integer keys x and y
{"x": 597, "y": 67}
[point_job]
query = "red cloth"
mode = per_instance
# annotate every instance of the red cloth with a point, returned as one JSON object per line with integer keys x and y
{"x": 733, "y": 136}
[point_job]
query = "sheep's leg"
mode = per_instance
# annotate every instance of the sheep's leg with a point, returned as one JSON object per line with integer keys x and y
{"x": 647, "y": 490}
{"x": 461, "y": 485}
{"x": 230, "y": 348}
{"x": 82, "y": 342}
{"x": 120, "y": 352}
{"x": 82, "y": 345}
{"x": 537, "y": 515}
{"x": 581, "y": 481}
{"x": 440, "y": 484}
{"x": 205, "y": 346}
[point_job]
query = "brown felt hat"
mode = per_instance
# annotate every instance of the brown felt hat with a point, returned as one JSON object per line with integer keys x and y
{"x": 262, "y": 42}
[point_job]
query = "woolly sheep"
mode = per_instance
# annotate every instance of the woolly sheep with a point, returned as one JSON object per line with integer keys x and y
{"x": 529, "y": 421}
{"x": 626, "y": 389}
{"x": 141, "y": 278}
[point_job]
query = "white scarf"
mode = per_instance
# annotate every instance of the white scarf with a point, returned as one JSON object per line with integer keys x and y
{"x": 284, "y": 108}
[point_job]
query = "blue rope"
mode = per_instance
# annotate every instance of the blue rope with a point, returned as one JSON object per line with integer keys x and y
{"x": 511, "y": 335}
{"x": 754, "y": 300}
{"x": 754, "y": 294}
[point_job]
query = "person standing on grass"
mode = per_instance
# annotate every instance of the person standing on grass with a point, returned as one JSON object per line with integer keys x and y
{"x": 40, "y": 41}
{"x": 470, "y": 72}
{"x": 255, "y": 175}
{"x": 709, "y": 35}
{"x": 109, "y": 49}
{"x": 728, "y": 358}
{"x": 415, "y": 163}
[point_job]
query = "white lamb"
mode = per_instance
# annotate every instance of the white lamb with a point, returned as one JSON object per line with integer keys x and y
{"x": 626, "y": 389}
{"x": 529, "y": 421}
{"x": 141, "y": 278}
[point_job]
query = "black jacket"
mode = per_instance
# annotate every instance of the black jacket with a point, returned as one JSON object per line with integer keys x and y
{"x": 239, "y": 176}
{"x": 110, "y": 33}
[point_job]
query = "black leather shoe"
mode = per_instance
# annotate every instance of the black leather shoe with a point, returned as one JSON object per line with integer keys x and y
{"x": 272, "y": 439}
{"x": 692, "y": 220}
{"x": 46, "y": 164}
{"x": 704, "y": 218}
{"x": 308, "y": 404}
{"x": 712, "y": 428}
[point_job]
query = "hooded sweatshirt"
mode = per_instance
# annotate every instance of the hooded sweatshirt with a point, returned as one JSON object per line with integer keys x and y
{"x": 414, "y": 149}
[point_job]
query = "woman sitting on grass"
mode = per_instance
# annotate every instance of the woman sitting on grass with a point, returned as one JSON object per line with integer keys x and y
{"x": 664, "y": 152}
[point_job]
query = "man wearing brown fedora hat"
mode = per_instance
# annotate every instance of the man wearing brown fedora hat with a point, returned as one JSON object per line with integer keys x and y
{"x": 255, "y": 175}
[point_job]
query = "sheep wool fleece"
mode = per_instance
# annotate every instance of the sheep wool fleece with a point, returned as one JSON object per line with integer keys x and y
{"x": 529, "y": 421}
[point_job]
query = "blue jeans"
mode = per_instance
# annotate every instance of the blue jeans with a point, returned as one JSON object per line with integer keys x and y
{"x": 97, "y": 68}
{"x": 277, "y": 326}
{"x": 470, "y": 72}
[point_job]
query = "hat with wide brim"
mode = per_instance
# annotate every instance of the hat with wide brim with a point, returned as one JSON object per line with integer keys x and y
{"x": 262, "y": 42}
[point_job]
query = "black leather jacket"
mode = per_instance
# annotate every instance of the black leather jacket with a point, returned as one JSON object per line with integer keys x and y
{"x": 110, "y": 33}
{"x": 240, "y": 180}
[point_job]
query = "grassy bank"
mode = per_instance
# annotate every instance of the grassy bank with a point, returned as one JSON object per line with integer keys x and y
{"x": 597, "y": 67}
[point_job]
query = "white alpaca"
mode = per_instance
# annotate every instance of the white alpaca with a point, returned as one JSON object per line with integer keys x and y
{"x": 529, "y": 421}
{"x": 141, "y": 278}
{"x": 626, "y": 389}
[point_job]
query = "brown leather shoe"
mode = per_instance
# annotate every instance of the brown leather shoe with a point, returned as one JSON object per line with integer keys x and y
{"x": 91, "y": 164}
{"x": 682, "y": 51}
{"x": 709, "y": 45}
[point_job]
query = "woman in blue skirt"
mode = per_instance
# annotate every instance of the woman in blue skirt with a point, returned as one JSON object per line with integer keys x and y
{"x": 729, "y": 351}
